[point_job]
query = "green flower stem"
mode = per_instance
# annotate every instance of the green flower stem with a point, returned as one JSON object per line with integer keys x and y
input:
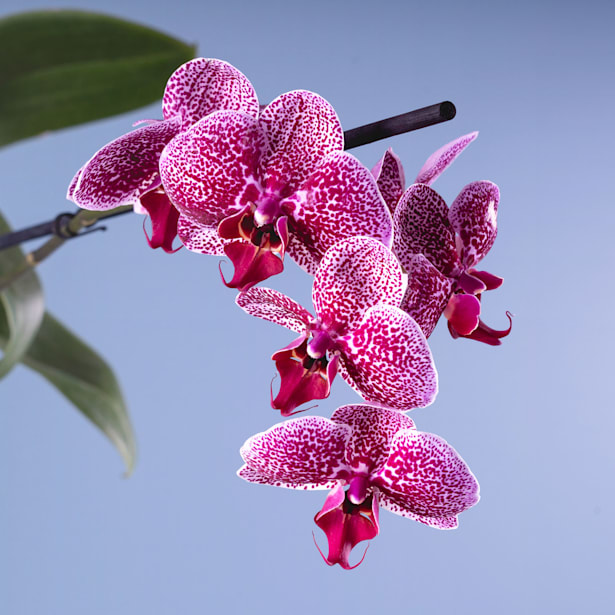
{"x": 80, "y": 221}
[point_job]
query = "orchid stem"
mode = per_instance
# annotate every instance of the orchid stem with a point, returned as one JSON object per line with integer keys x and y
{"x": 67, "y": 226}
{"x": 63, "y": 227}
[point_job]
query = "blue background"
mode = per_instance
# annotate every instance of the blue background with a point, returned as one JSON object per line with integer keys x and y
{"x": 533, "y": 418}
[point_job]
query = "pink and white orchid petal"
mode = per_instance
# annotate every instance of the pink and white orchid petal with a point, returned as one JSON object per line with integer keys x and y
{"x": 210, "y": 170}
{"x": 275, "y": 307}
{"x": 473, "y": 216}
{"x": 301, "y": 128}
{"x": 254, "y": 476}
{"x": 441, "y": 159}
{"x": 339, "y": 200}
{"x": 427, "y": 294}
{"x": 397, "y": 505}
{"x": 164, "y": 220}
{"x": 426, "y": 476}
{"x": 421, "y": 226}
{"x": 303, "y": 255}
{"x": 307, "y": 451}
{"x": 199, "y": 237}
{"x": 354, "y": 275}
{"x": 346, "y": 525}
{"x": 463, "y": 313}
{"x": 123, "y": 170}
{"x": 388, "y": 361}
{"x": 389, "y": 174}
{"x": 373, "y": 430}
{"x": 204, "y": 85}
{"x": 73, "y": 185}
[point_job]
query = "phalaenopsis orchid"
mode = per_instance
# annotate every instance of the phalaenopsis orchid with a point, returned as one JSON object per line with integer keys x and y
{"x": 252, "y": 182}
{"x": 369, "y": 457}
{"x": 358, "y": 328}
{"x": 256, "y": 188}
{"x": 439, "y": 248}
{"x": 125, "y": 171}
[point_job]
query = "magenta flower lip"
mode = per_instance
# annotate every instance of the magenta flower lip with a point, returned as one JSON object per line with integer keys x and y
{"x": 370, "y": 458}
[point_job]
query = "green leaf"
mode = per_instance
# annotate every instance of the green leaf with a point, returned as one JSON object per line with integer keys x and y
{"x": 60, "y": 356}
{"x": 85, "y": 378}
{"x": 22, "y": 303}
{"x": 61, "y": 68}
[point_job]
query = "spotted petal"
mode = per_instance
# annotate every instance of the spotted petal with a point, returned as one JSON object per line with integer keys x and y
{"x": 123, "y": 170}
{"x": 422, "y": 227}
{"x": 210, "y": 170}
{"x": 473, "y": 216}
{"x": 398, "y": 506}
{"x": 301, "y": 128}
{"x": 199, "y": 237}
{"x": 275, "y": 307}
{"x": 389, "y": 174}
{"x": 204, "y": 85}
{"x": 387, "y": 360}
{"x": 307, "y": 452}
{"x": 427, "y": 294}
{"x": 339, "y": 200}
{"x": 441, "y": 159}
{"x": 426, "y": 476}
{"x": 354, "y": 275}
{"x": 373, "y": 430}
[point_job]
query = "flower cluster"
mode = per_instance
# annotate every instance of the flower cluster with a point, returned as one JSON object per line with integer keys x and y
{"x": 231, "y": 177}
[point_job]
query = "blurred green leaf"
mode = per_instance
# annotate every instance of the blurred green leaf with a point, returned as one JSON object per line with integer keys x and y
{"x": 61, "y": 357}
{"x": 61, "y": 68}
{"x": 85, "y": 378}
{"x": 23, "y": 306}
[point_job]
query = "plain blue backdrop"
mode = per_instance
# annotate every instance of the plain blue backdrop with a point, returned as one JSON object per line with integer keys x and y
{"x": 533, "y": 418}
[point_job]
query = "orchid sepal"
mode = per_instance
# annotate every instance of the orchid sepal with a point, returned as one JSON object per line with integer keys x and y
{"x": 442, "y": 158}
{"x": 389, "y": 175}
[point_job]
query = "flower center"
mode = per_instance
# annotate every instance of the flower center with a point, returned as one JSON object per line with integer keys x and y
{"x": 267, "y": 209}
{"x": 357, "y": 490}
{"x": 322, "y": 340}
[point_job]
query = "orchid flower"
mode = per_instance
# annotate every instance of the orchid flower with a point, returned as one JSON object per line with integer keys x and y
{"x": 254, "y": 189}
{"x": 358, "y": 329}
{"x": 125, "y": 171}
{"x": 439, "y": 249}
{"x": 369, "y": 457}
